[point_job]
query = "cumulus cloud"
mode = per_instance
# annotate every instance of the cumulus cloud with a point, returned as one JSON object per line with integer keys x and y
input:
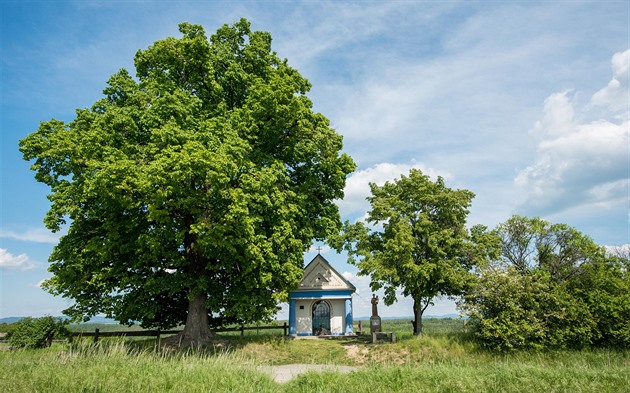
{"x": 358, "y": 184}
{"x": 580, "y": 161}
{"x": 10, "y": 261}
{"x": 615, "y": 95}
{"x": 36, "y": 235}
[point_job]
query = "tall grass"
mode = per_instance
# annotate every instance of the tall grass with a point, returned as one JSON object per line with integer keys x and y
{"x": 482, "y": 377}
{"x": 114, "y": 367}
{"x": 443, "y": 361}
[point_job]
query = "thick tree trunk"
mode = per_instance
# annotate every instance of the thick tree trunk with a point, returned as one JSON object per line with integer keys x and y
{"x": 418, "y": 310}
{"x": 196, "y": 332}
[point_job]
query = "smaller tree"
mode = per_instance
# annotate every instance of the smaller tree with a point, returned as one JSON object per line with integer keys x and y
{"x": 423, "y": 249}
{"x": 530, "y": 243}
{"x": 38, "y": 332}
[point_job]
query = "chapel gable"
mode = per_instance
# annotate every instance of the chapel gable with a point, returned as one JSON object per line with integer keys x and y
{"x": 320, "y": 275}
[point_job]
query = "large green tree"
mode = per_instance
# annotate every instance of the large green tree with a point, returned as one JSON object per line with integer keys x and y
{"x": 416, "y": 241}
{"x": 191, "y": 191}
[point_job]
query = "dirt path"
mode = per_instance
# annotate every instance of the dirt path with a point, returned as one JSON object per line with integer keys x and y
{"x": 282, "y": 374}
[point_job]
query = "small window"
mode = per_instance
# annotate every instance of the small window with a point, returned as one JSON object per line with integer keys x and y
{"x": 301, "y": 307}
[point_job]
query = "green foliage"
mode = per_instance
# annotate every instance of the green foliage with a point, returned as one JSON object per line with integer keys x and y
{"x": 604, "y": 287}
{"x": 424, "y": 248}
{"x": 552, "y": 288}
{"x": 38, "y": 332}
{"x": 510, "y": 311}
{"x": 200, "y": 182}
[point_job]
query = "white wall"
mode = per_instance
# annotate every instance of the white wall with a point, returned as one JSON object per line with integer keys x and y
{"x": 304, "y": 317}
{"x": 337, "y": 315}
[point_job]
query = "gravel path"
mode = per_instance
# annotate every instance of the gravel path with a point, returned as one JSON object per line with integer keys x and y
{"x": 282, "y": 374}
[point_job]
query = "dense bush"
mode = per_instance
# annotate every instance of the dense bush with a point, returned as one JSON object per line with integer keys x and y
{"x": 552, "y": 288}
{"x": 510, "y": 310}
{"x": 605, "y": 288}
{"x": 38, "y": 332}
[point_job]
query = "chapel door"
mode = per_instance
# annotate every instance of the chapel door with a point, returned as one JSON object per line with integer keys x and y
{"x": 321, "y": 318}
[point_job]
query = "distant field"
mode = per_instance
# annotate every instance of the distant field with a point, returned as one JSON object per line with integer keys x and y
{"x": 400, "y": 326}
{"x": 443, "y": 361}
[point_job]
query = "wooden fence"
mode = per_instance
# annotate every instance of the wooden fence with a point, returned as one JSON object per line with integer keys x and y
{"x": 157, "y": 333}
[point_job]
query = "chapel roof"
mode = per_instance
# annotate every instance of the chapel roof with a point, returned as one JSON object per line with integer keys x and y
{"x": 320, "y": 275}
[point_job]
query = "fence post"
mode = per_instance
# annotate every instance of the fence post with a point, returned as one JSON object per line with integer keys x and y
{"x": 96, "y": 331}
{"x": 242, "y": 331}
{"x": 157, "y": 333}
{"x": 285, "y": 329}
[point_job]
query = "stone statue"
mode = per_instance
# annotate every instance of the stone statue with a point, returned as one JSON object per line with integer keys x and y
{"x": 374, "y": 304}
{"x": 375, "y": 320}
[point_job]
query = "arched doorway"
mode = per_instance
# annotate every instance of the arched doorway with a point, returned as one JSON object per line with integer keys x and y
{"x": 321, "y": 318}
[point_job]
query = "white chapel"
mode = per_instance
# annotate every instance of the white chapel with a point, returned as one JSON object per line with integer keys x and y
{"x": 322, "y": 303}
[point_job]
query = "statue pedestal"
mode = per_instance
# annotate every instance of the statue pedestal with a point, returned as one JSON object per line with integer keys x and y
{"x": 375, "y": 324}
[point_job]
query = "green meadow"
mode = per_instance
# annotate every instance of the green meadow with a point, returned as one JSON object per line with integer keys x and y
{"x": 444, "y": 360}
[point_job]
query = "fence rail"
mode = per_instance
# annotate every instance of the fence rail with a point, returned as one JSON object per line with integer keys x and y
{"x": 157, "y": 333}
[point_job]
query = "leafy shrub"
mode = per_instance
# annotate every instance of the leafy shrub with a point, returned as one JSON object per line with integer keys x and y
{"x": 504, "y": 310}
{"x": 38, "y": 332}
{"x": 552, "y": 288}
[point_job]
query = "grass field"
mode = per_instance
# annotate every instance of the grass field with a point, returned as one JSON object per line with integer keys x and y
{"x": 443, "y": 361}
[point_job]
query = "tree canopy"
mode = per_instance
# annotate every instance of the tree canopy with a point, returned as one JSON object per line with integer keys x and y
{"x": 551, "y": 287}
{"x": 423, "y": 249}
{"x": 191, "y": 191}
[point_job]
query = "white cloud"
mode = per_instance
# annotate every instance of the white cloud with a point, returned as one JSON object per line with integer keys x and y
{"x": 10, "y": 261}
{"x": 580, "y": 161}
{"x": 36, "y": 235}
{"x": 558, "y": 116}
{"x": 615, "y": 95}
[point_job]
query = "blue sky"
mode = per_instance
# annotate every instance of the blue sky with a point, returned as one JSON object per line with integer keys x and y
{"x": 524, "y": 103}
